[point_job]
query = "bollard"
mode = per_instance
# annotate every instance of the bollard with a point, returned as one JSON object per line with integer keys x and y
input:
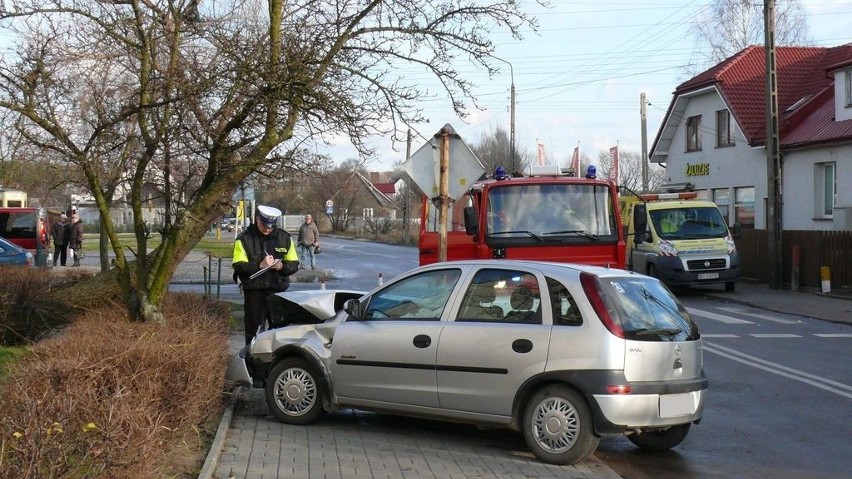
{"x": 381, "y": 281}
{"x": 825, "y": 276}
{"x": 322, "y": 283}
{"x": 797, "y": 260}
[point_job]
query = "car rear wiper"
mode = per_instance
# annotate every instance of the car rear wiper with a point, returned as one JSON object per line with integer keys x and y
{"x": 574, "y": 232}
{"x": 649, "y": 332}
{"x": 530, "y": 233}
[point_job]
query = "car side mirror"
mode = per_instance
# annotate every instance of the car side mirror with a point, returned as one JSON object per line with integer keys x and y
{"x": 638, "y": 237}
{"x": 471, "y": 225}
{"x": 353, "y": 308}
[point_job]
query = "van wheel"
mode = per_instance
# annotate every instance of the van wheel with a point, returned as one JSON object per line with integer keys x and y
{"x": 652, "y": 271}
{"x": 730, "y": 286}
{"x": 293, "y": 393}
{"x": 558, "y": 426}
{"x": 662, "y": 440}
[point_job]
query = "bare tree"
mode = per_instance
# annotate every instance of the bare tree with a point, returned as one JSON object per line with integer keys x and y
{"x": 228, "y": 89}
{"x": 731, "y": 25}
{"x": 630, "y": 170}
{"x": 495, "y": 149}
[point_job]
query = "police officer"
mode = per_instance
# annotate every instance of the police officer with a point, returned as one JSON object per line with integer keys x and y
{"x": 263, "y": 245}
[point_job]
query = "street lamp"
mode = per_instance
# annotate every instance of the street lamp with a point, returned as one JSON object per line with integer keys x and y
{"x": 511, "y": 110}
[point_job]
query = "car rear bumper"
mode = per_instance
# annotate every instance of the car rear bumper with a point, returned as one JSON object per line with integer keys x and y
{"x": 630, "y": 411}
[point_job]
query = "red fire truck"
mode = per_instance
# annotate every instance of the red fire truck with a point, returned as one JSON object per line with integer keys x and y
{"x": 548, "y": 214}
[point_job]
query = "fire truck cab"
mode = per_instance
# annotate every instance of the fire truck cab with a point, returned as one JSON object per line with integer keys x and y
{"x": 548, "y": 214}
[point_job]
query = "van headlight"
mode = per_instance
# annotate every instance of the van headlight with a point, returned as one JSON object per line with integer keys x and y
{"x": 730, "y": 242}
{"x": 667, "y": 248}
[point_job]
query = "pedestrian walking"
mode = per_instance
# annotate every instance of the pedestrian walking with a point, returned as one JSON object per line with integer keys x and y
{"x": 60, "y": 231}
{"x": 308, "y": 242}
{"x": 264, "y": 258}
{"x": 75, "y": 243}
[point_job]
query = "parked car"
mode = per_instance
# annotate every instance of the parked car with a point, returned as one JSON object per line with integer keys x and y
{"x": 562, "y": 353}
{"x": 12, "y": 254}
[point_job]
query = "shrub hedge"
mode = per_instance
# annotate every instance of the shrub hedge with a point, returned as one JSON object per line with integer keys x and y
{"x": 110, "y": 398}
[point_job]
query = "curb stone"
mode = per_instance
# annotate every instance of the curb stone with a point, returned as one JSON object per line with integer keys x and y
{"x": 218, "y": 443}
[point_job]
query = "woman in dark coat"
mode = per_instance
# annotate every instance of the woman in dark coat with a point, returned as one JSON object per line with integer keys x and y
{"x": 76, "y": 241}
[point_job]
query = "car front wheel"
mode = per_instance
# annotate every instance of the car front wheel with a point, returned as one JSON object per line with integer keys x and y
{"x": 293, "y": 393}
{"x": 662, "y": 440}
{"x": 558, "y": 426}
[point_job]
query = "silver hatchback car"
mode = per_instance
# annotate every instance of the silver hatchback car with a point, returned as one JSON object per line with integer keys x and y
{"x": 563, "y": 353}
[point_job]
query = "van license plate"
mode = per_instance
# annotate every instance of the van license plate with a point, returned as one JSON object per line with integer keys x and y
{"x": 708, "y": 275}
{"x": 676, "y": 405}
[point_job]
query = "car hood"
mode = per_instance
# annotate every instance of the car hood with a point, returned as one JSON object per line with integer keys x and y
{"x": 307, "y": 307}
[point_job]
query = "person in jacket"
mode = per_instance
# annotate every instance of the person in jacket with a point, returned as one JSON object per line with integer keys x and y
{"x": 75, "y": 242}
{"x": 61, "y": 234}
{"x": 308, "y": 241}
{"x": 263, "y": 247}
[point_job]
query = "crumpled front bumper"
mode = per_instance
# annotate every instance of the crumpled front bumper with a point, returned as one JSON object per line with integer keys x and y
{"x": 238, "y": 372}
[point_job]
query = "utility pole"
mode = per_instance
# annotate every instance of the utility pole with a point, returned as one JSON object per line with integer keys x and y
{"x": 774, "y": 192}
{"x": 643, "y": 114}
{"x": 511, "y": 112}
{"x": 406, "y": 200}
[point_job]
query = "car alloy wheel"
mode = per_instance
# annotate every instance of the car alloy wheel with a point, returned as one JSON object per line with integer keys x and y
{"x": 558, "y": 426}
{"x": 293, "y": 393}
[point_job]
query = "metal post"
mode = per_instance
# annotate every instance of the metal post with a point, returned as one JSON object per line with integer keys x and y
{"x": 511, "y": 112}
{"x": 443, "y": 194}
{"x": 643, "y": 113}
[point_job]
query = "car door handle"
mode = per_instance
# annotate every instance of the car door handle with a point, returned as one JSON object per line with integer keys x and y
{"x": 422, "y": 341}
{"x": 522, "y": 345}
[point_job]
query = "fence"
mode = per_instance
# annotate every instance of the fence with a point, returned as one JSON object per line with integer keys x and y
{"x": 818, "y": 248}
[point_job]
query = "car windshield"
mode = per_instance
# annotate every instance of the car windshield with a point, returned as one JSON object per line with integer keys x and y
{"x": 647, "y": 310}
{"x": 689, "y": 223}
{"x": 546, "y": 211}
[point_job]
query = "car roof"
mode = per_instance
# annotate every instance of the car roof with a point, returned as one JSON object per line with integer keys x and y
{"x": 546, "y": 267}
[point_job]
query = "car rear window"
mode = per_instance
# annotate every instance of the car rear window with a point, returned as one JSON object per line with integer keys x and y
{"x": 647, "y": 310}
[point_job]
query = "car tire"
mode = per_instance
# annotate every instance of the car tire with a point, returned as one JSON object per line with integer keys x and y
{"x": 662, "y": 440}
{"x": 558, "y": 426}
{"x": 293, "y": 392}
{"x": 730, "y": 286}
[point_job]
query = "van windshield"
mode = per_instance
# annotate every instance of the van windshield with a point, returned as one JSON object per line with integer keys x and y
{"x": 689, "y": 223}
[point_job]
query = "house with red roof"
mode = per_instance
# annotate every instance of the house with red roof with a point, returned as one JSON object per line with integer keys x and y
{"x": 714, "y": 136}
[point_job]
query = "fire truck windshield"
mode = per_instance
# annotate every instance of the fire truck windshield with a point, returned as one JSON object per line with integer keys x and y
{"x": 550, "y": 211}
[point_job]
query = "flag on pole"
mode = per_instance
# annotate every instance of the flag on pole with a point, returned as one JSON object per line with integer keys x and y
{"x": 575, "y": 161}
{"x": 540, "y": 155}
{"x": 613, "y": 153}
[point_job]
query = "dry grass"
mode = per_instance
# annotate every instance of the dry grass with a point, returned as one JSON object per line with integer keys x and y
{"x": 109, "y": 398}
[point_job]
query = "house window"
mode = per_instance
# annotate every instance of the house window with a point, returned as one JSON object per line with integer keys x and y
{"x": 744, "y": 206}
{"x": 693, "y": 133}
{"x": 722, "y": 198}
{"x": 723, "y": 128}
{"x": 848, "y": 75}
{"x": 826, "y": 189}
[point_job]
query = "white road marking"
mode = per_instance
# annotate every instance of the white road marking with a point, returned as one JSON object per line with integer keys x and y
{"x": 769, "y": 317}
{"x": 833, "y": 335}
{"x": 776, "y": 335}
{"x": 825, "y": 384}
{"x": 717, "y": 317}
{"x": 720, "y": 335}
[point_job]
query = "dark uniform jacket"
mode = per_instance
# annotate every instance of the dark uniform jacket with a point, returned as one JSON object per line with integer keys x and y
{"x": 250, "y": 249}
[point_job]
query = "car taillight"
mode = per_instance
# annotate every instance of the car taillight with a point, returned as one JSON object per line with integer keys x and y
{"x": 592, "y": 290}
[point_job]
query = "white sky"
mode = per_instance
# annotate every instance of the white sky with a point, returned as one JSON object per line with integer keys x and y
{"x": 580, "y": 78}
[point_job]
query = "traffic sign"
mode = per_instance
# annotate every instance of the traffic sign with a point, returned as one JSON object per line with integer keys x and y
{"x": 329, "y": 204}
{"x": 424, "y": 166}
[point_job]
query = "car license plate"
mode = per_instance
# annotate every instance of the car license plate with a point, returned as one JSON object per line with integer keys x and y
{"x": 708, "y": 275}
{"x": 676, "y": 405}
